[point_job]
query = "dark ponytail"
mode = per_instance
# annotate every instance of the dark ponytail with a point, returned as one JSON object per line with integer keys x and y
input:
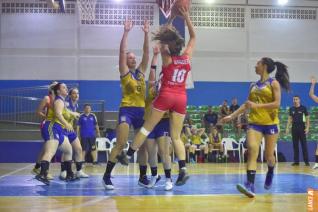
{"x": 281, "y": 75}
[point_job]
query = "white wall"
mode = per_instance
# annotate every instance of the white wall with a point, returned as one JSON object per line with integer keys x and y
{"x": 55, "y": 46}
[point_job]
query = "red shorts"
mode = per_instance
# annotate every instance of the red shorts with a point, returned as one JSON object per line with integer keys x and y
{"x": 172, "y": 102}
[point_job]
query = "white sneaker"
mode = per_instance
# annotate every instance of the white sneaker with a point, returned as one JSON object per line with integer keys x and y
{"x": 153, "y": 181}
{"x": 63, "y": 175}
{"x": 168, "y": 185}
{"x": 81, "y": 174}
{"x": 315, "y": 166}
{"x": 108, "y": 185}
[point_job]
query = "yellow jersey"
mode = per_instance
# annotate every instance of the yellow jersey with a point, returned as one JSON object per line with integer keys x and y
{"x": 65, "y": 113}
{"x": 49, "y": 109}
{"x": 195, "y": 139}
{"x": 262, "y": 93}
{"x": 151, "y": 95}
{"x": 184, "y": 138}
{"x": 133, "y": 88}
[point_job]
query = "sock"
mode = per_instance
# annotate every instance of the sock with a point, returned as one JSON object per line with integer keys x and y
{"x": 168, "y": 173}
{"x": 63, "y": 168}
{"x": 271, "y": 169}
{"x": 251, "y": 176}
{"x": 316, "y": 158}
{"x": 109, "y": 168}
{"x": 130, "y": 152}
{"x": 154, "y": 171}
{"x": 68, "y": 167}
{"x": 38, "y": 165}
{"x": 143, "y": 171}
{"x": 181, "y": 164}
{"x": 44, "y": 167}
{"x": 79, "y": 165}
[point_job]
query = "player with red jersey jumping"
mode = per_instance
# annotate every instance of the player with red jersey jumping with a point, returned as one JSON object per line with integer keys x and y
{"x": 172, "y": 95}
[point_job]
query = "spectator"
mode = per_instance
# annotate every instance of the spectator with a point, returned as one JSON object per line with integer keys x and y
{"x": 210, "y": 119}
{"x": 224, "y": 110}
{"x": 215, "y": 141}
{"x": 88, "y": 129}
{"x": 234, "y": 106}
{"x": 242, "y": 123}
{"x": 196, "y": 142}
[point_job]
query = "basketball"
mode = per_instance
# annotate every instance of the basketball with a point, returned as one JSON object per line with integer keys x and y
{"x": 180, "y": 3}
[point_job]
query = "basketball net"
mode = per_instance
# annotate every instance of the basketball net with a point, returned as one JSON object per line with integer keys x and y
{"x": 166, "y": 6}
{"x": 87, "y": 9}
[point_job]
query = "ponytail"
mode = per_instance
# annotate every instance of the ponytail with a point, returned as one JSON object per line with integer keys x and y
{"x": 282, "y": 75}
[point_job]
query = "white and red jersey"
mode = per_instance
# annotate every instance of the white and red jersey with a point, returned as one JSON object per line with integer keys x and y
{"x": 173, "y": 76}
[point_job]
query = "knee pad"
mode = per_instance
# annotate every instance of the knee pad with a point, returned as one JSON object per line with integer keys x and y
{"x": 144, "y": 131}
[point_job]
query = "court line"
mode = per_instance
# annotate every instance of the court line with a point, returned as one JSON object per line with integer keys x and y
{"x": 16, "y": 171}
{"x": 85, "y": 204}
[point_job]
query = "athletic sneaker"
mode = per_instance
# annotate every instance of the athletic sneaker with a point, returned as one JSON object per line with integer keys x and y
{"x": 315, "y": 166}
{"x": 81, "y": 174}
{"x": 154, "y": 180}
{"x": 268, "y": 180}
{"x": 295, "y": 164}
{"x": 43, "y": 179}
{"x": 182, "y": 178}
{"x": 246, "y": 189}
{"x": 168, "y": 185}
{"x": 307, "y": 164}
{"x": 107, "y": 183}
{"x": 36, "y": 171}
{"x": 144, "y": 182}
{"x": 122, "y": 159}
{"x": 63, "y": 175}
{"x": 71, "y": 177}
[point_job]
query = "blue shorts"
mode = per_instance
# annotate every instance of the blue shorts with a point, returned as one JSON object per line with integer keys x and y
{"x": 132, "y": 116}
{"x": 265, "y": 129}
{"x": 161, "y": 129}
{"x": 51, "y": 131}
{"x": 70, "y": 135}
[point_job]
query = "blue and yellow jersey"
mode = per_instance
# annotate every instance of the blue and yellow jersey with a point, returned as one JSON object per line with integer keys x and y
{"x": 133, "y": 88}
{"x": 71, "y": 107}
{"x": 262, "y": 93}
{"x": 151, "y": 95}
{"x": 65, "y": 113}
{"x": 195, "y": 139}
{"x": 49, "y": 109}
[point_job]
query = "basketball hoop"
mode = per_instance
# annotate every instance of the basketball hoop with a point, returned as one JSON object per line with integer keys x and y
{"x": 87, "y": 10}
{"x": 166, "y": 6}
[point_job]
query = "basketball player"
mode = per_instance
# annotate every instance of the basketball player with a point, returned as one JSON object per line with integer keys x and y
{"x": 172, "y": 95}
{"x": 72, "y": 105}
{"x": 315, "y": 98}
{"x": 131, "y": 111}
{"x": 263, "y": 102}
{"x": 54, "y": 135}
{"x": 158, "y": 138}
{"x": 42, "y": 112}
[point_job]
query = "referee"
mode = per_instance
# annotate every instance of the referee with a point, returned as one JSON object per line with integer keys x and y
{"x": 299, "y": 119}
{"x": 88, "y": 129}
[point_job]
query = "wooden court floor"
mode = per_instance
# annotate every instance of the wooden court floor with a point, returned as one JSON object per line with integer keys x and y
{"x": 211, "y": 188}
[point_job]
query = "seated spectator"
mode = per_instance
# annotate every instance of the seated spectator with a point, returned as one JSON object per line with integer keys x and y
{"x": 196, "y": 142}
{"x": 242, "y": 123}
{"x": 234, "y": 106}
{"x": 185, "y": 139}
{"x": 224, "y": 109}
{"x": 210, "y": 119}
{"x": 215, "y": 141}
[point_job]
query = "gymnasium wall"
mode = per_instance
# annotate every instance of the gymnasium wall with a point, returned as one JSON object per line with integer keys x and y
{"x": 38, "y": 46}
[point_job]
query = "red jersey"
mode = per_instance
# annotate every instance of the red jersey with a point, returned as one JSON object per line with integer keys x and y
{"x": 173, "y": 79}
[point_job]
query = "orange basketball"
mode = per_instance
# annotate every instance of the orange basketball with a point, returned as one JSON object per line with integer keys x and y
{"x": 178, "y": 4}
